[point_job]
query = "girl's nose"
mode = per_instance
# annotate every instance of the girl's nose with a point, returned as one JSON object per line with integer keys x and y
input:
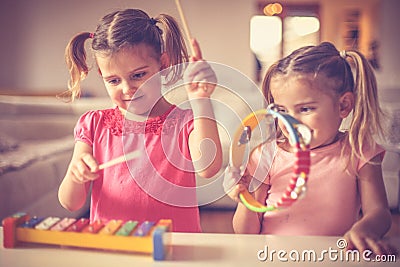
{"x": 128, "y": 89}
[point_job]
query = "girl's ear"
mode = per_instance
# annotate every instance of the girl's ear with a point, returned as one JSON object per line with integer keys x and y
{"x": 165, "y": 62}
{"x": 346, "y": 104}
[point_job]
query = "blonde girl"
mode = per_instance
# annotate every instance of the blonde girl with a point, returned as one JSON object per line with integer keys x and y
{"x": 345, "y": 194}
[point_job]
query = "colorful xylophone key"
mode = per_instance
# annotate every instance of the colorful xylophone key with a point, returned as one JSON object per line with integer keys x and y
{"x": 63, "y": 224}
{"x": 47, "y": 223}
{"x": 127, "y": 228}
{"x": 93, "y": 227}
{"x": 111, "y": 227}
{"x": 78, "y": 225}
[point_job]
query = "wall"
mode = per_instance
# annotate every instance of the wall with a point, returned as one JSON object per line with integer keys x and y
{"x": 35, "y": 33}
{"x": 389, "y": 77}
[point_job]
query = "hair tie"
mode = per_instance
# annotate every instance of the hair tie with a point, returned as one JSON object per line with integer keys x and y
{"x": 91, "y": 35}
{"x": 153, "y": 21}
{"x": 343, "y": 54}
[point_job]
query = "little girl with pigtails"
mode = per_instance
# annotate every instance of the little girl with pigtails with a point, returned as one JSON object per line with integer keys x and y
{"x": 135, "y": 54}
{"x": 321, "y": 87}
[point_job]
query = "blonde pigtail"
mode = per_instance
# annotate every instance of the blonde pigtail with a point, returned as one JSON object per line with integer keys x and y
{"x": 367, "y": 115}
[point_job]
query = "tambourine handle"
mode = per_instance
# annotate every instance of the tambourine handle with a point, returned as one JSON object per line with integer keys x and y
{"x": 252, "y": 204}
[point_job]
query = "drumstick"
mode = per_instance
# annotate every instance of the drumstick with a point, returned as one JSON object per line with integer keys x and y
{"x": 126, "y": 157}
{"x": 185, "y": 26}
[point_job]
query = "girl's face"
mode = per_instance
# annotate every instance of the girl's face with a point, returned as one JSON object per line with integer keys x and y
{"x": 125, "y": 71}
{"x": 308, "y": 103}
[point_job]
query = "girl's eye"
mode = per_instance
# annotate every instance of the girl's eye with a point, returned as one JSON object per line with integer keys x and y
{"x": 113, "y": 81}
{"x": 137, "y": 76}
{"x": 306, "y": 109}
{"x": 281, "y": 110}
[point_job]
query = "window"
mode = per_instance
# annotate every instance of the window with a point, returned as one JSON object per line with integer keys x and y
{"x": 279, "y": 29}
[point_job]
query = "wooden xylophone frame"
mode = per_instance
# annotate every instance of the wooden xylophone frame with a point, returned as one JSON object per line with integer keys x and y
{"x": 156, "y": 242}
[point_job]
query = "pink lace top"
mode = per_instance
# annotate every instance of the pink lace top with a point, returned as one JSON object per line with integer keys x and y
{"x": 115, "y": 122}
{"x": 158, "y": 184}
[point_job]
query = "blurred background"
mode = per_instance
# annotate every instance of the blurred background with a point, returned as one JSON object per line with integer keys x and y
{"x": 36, "y": 139}
{"x": 35, "y": 33}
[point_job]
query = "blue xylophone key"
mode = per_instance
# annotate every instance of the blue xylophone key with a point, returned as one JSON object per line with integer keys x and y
{"x": 32, "y": 222}
{"x": 144, "y": 228}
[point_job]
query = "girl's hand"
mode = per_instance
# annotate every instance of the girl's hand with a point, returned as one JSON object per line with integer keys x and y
{"x": 368, "y": 231}
{"x": 83, "y": 168}
{"x": 234, "y": 184}
{"x": 362, "y": 240}
{"x": 199, "y": 75}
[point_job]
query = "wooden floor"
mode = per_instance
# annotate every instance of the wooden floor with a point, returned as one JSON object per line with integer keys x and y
{"x": 220, "y": 221}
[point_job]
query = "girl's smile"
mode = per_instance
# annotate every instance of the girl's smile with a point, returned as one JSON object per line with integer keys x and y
{"x": 126, "y": 75}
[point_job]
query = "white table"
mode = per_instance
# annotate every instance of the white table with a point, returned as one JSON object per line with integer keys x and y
{"x": 196, "y": 250}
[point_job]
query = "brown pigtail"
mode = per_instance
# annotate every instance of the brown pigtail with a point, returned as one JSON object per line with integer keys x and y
{"x": 174, "y": 46}
{"x": 75, "y": 57}
{"x": 123, "y": 28}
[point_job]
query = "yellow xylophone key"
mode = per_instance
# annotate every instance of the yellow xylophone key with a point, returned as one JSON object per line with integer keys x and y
{"x": 111, "y": 227}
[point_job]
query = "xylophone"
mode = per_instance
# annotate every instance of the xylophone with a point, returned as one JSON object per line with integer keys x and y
{"x": 146, "y": 237}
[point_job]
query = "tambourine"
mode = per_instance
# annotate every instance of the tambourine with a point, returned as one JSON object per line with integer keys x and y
{"x": 299, "y": 138}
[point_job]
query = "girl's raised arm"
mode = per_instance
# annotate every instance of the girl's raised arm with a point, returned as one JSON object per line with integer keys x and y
{"x": 204, "y": 142}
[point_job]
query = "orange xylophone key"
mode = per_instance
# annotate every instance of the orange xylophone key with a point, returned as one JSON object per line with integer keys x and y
{"x": 78, "y": 225}
{"x": 93, "y": 227}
